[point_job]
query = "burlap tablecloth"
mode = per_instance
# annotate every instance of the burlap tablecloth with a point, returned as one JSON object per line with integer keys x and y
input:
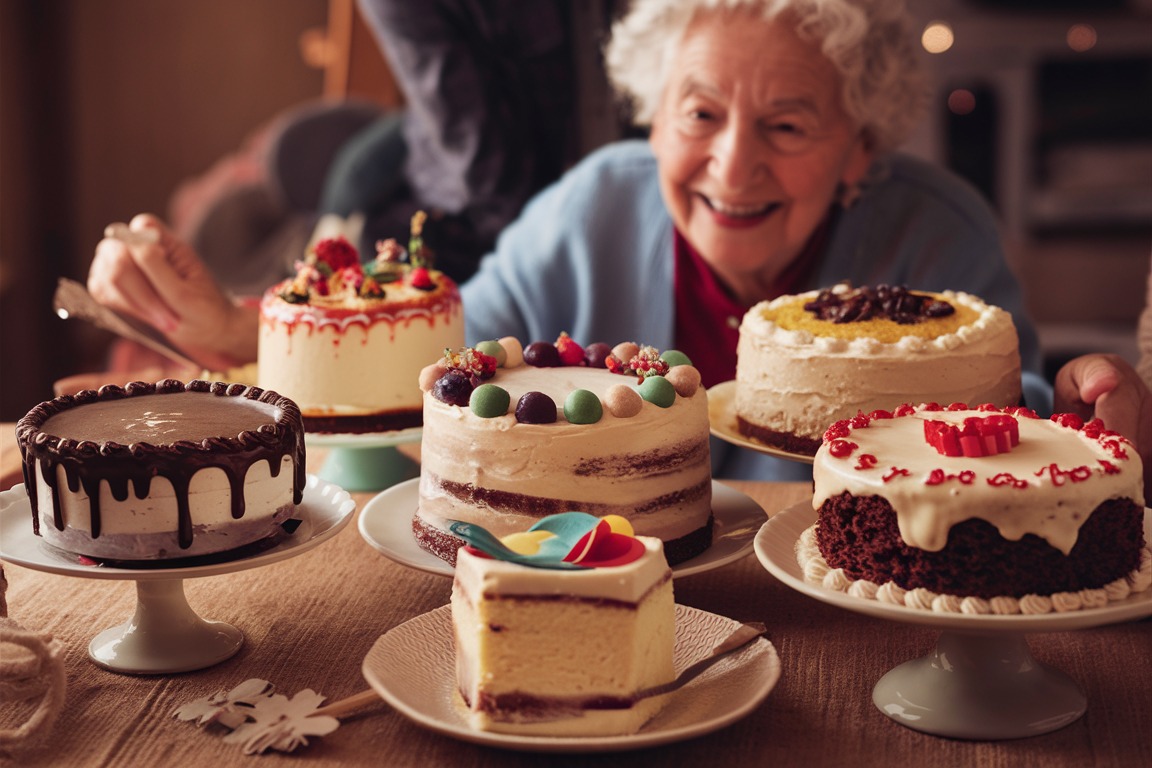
{"x": 310, "y": 620}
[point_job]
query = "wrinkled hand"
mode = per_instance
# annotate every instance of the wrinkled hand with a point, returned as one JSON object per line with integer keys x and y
{"x": 1107, "y": 387}
{"x": 166, "y": 285}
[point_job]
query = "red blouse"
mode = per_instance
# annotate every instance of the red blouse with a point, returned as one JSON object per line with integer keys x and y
{"x": 708, "y": 316}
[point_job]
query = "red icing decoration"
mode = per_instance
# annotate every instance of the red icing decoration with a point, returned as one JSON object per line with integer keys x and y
{"x": 859, "y": 421}
{"x": 1076, "y": 475}
{"x": 980, "y": 436}
{"x": 841, "y": 449}
{"x": 1109, "y": 467}
{"x": 896, "y": 472}
{"x": 904, "y": 409}
{"x": 1070, "y": 420}
{"x": 1006, "y": 478}
{"x": 838, "y": 429}
{"x": 865, "y": 461}
{"x": 939, "y": 476}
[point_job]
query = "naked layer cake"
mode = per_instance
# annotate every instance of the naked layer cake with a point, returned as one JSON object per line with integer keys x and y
{"x": 522, "y": 433}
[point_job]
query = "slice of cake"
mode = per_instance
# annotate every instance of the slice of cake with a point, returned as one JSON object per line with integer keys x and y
{"x": 347, "y": 341}
{"x": 512, "y": 435}
{"x": 560, "y": 638}
{"x": 161, "y": 471}
{"x": 983, "y": 511}
{"x": 807, "y": 360}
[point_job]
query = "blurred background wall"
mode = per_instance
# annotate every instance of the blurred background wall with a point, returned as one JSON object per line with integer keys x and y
{"x": 107, "y": 106}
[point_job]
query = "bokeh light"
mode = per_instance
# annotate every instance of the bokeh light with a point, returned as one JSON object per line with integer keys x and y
{"x": 937, "y": 37}
{"x": 961, "y": 101}
{"x": 1081, "y": 37}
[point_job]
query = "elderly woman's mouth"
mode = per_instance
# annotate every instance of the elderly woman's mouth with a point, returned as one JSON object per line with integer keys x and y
{"x": 739, "y": 214}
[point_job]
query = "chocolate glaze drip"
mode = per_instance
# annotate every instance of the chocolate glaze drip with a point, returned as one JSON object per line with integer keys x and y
{"x": 86, "y": 462}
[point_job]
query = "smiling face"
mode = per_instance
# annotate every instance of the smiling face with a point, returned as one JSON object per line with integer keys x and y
{"x": 752, "y": 143}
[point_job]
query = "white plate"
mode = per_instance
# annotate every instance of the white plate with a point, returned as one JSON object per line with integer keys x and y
{"x": 413, "y": 668}
{"x": 776, "y": 550}
{"x": 363, "y": 440}
{"x": 722, "y": 424}
{"x": 325, "y": 510}
{"x": 386, "y": 524}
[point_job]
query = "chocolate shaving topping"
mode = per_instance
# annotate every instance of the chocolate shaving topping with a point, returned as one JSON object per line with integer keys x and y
{"x": 888, "y": 302}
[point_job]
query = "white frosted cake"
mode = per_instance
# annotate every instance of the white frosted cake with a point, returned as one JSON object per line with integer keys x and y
{"x": 980, "y": 511}
{"x": 543, "y": 651}
{"x": 506, "y": 445}
{"x": 162, "y": 471}
{"x": 347, "y": 341}
{"x": 807, "y": 360}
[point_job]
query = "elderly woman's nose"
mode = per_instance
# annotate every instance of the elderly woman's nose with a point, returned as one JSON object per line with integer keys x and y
{"x": 739, "y": 156}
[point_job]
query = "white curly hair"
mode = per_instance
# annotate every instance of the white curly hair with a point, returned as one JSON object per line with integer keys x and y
{"x": 870, "y": 42}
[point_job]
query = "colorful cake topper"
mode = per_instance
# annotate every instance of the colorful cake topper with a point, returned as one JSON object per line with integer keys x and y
{"x": 978, "y": 436}
{"x": 566, "y": 541}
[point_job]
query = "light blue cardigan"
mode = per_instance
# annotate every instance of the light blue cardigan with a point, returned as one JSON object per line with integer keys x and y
{"x": 592, "y": 255}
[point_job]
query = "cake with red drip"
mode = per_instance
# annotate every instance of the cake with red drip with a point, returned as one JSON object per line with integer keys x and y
{"x": 513, "y": 434}
{"x": 560, "y": 629}
{"x": 162, "y": 471}
{"x": 807, "y": 360}
{"x": 983, "y": 510}
{"x": 347, "y": 340}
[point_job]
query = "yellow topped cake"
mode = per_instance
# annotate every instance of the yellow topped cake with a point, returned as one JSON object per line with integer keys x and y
{"x": 808, "y": 360}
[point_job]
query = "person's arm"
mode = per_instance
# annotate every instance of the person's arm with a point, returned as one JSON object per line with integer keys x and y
{"x": 1107, "y": 387}
{"x": 161, "y": 281}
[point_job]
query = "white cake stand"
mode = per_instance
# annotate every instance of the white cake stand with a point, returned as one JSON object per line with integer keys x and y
{"x": 980, "y": 682}
{"x": 165, "y": 635}
{"x": 366, "y": 462}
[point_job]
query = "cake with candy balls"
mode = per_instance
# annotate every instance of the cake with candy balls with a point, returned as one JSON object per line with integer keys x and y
{"x": 983, "y": 511}
{"x": 807, "y": 360}
{"x": 513, "y": 434}
{"x": 347, "y": 340}
{"x": 162, "y": 471}
{"x": 561, "y": 628}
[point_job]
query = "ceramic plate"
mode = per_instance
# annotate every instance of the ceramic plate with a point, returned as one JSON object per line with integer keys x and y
{"x": 325, "y": 511}
{"x": 412, "y": 667}
{"x": 386, "y": 524}
{"x": 776, "y": 550}
{"x": 722, "y": 424}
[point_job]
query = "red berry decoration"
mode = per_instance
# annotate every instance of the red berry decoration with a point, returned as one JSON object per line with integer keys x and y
{"x": 419, "y": 278}
{"x": 337, "y": 253}
{"x": 570, "y": 352}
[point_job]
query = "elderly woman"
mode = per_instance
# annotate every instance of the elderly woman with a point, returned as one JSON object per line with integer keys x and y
{"x": 769, "y": 170}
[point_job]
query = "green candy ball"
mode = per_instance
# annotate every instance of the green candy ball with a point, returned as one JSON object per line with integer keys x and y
{"x": 582, "y": 407}
{"x": 658, "y": 391}
{"x": 494, "y": 349}
{"x": 489, "y": 401}
{"x": 675, "y": 357}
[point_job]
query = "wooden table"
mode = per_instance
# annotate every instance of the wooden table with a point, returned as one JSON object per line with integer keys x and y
{"x": 310, "y": 620}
